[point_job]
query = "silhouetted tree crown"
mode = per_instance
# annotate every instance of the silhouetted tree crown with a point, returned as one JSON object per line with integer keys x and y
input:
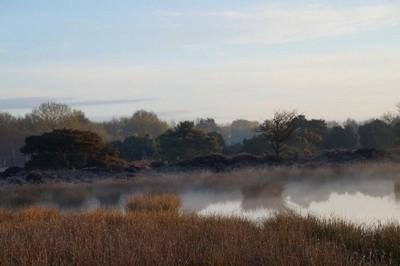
{"x": 341, "y": 138}
{"x": 137, "y": 148}
{"x": 376, "y": 134}
{"x": 68, "y": 148}
{"x": 143, "y": 123}
{"x": 257, "y": 145}
{"x": 279, "y": 130}
{"x": 239, "y": 130}
{"x": 207, "y": 125}
{"x": 308, "y": 135}
{"x": 185, "y": 141}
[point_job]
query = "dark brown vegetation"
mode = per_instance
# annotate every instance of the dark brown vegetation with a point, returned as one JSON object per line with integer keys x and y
{"x": 69, "y": 148}
{"x": 38, "y": 236}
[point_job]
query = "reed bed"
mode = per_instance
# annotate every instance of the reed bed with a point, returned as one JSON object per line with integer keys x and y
{"x": 163, "y": 202}
{"x": 152, "y": 235}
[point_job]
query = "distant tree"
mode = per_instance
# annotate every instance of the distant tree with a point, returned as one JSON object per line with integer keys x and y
{"x": 235, "y": 149}
{"x": 279, "y": 130}
{"x": 309, "y": 134}
{"x": 68, "y": 148}
{"x": 239, "y": 130}
{"x": 113, "y": 129}
{"x": 331, "y": 124}
{"x": 52, "y": 114}
{"x": 138, "y": 148}
{"x": 207, "y": 125}
{"x": 12, "y": 136}
{"x": 6, "y": 119}
{"x": 397, "y": 143}
{"x": 143, "y": 123}
{"x": 389, "y": 118}
{"x": 218, "y": 137}
{"x": 376, "y": 134}
{"x": 186, "y": 141}
{"x": 396, "y": 129}
{"x": 396, "y": 132}
{"x": 341, "y": 138}
{"x": 352, "y": 124}
{"x": 257, "y": 145}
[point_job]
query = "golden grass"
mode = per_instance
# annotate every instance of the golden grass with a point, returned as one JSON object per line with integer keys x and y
{"x": 149, "y": 235}
{"x": 154, "y": 203}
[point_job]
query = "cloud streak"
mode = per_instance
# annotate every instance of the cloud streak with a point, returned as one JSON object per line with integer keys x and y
{"x": 26, "y": 102}
{"x": 31, "y": 102}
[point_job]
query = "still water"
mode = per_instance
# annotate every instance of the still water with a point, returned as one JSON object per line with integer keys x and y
{"x": 363, "y": 194}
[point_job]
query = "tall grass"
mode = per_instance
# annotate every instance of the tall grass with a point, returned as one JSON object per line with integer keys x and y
{"x": 154, "y": 203}
{"x": 150, "y": 235}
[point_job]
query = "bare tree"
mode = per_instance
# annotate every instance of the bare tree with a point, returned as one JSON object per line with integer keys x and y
{"x": 52, "y": 114}
{"x": 279, "y": 129}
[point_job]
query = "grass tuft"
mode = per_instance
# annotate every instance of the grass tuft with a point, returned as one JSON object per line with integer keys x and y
{"x": 154, "y": 203}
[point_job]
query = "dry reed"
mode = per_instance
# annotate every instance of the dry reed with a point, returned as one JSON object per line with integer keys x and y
{"x": 154, "y": 203}
{"x": 150, "y": 235}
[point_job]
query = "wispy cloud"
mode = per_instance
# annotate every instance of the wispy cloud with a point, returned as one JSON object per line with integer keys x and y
{"x": 31, "y": 102}
{"x": 26, "y": 102}
{"x": 275, "y": 25}
{"x": 105, "y": 102}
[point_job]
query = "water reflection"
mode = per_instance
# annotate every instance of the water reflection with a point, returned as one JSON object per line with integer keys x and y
{"x": 267, "y": 195}
{"x": 362, "y": 197}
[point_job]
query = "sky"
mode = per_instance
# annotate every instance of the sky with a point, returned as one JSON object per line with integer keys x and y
{"x": 190, "y": 59}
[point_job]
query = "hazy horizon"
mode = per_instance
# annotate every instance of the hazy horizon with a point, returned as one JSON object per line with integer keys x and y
{"x": 186, "y": 59}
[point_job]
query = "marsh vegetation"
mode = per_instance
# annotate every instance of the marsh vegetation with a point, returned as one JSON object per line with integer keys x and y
{"x": 149, "y": 235}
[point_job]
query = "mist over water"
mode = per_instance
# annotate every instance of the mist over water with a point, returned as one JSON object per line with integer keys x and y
{"x": 364, "y": 193}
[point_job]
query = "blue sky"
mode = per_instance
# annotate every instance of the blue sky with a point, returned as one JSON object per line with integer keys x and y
{"x": 190, "y": 59}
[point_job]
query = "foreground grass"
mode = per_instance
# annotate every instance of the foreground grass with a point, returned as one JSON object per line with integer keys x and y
{"x": 146, "y": 236}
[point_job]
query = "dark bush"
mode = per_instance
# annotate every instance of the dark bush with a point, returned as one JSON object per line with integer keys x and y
{"x": 69, "y": 149}
{"x": 186, "y": 142}
{"x": 11, "y": 171}
{"x": 212, "y": 160}
{"x": 246, "y": 159}
{"x": 344, "y": 155}
{"x": 157, "y": 164}
{"x": 138, "y": 148}
{"x": 35, "y": 177}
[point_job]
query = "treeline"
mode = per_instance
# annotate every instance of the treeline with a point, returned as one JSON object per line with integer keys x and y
{"x": 144, "y": 136}
{"x": 50, "y": 116}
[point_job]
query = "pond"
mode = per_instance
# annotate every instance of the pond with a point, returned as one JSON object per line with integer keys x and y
{"x": 363, "y": 194}
{"x": 363, "y": 202}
